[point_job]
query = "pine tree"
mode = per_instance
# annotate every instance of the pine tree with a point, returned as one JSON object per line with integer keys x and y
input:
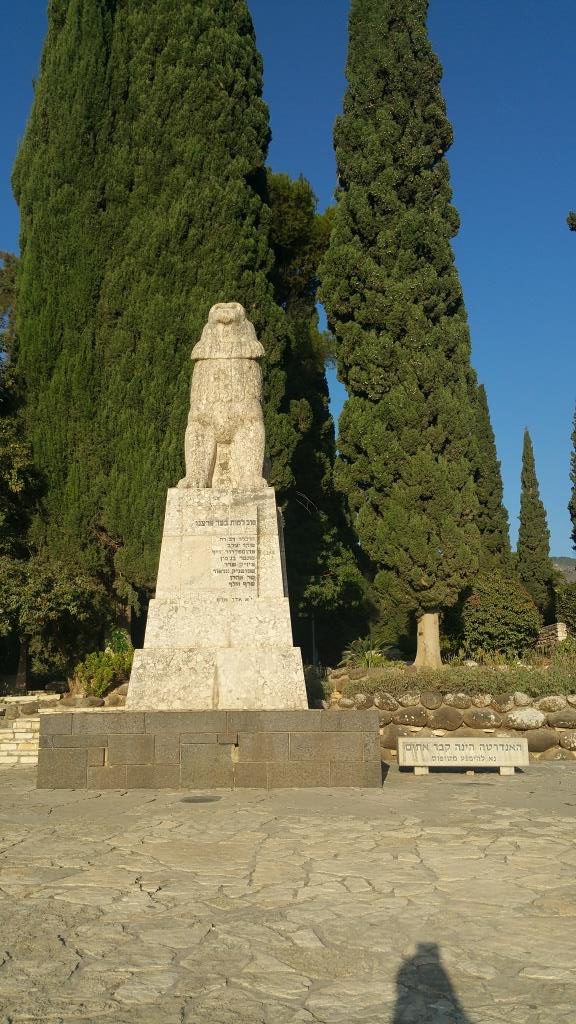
{"x": 533, "y": 551}
{"x": 572, "y": 502}
{"x": 327, "y": 590}
{"x": 141, "y": 183}
{"x": 492, "y": 517}
{"x": 395, "y": 305}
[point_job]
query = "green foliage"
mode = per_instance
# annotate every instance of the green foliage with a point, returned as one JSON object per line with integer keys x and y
{"x": 65, "y": 241}
{"x": 394, "y": 304}
{"x": 492, "y": 517}
{"x": 118, "y": 641}
{"x": 498, "y": 616}
{"x": 566, "y": 606}
{"x": 8, "y": 270}
{"x": 365, "y": 652}
{"x": 571, "y": 220}
{"x": 558, "y": 677}
{"x": 101, "y": 671}
{"x": 55, "y": 609}
{"x": 323, "y": 573}
{"x": 141, "y": 189}
{"x": 533, "y": 564}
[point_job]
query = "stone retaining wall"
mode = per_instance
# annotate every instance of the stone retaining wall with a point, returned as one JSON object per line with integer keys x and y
{"x": 549, "y": 723}
{"x": 208, "y": 749}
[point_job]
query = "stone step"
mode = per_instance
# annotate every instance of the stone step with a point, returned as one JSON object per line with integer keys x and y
{"x": 19, "y": 743}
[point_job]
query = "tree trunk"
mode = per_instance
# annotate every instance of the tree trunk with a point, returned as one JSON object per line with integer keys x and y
{"x": 22, "y": 670}
{"x": 428, "y": 650}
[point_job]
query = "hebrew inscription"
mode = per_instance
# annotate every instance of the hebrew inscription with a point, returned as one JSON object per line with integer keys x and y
{"x": 466, "y": 752}
{"x": 234, "y": 562}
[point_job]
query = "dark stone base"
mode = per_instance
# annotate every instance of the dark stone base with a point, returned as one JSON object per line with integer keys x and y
{"x": 208, "y": 749}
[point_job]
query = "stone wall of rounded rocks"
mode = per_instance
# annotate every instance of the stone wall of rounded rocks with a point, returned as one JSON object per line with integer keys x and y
{"x": 549, "y": 723}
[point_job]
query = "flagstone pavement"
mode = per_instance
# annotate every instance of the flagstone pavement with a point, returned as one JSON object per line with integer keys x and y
{"x": 446, "y": 899}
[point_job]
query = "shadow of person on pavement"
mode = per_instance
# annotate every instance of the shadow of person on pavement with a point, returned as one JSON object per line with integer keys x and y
{"x": 425, "y": 994}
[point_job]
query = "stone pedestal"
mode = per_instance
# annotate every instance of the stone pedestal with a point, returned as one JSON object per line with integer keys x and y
{"x": 109, "y": 749}
{"x": 219, "y": 632}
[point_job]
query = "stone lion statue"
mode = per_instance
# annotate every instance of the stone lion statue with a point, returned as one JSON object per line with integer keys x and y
{"x": 226, "y": 403}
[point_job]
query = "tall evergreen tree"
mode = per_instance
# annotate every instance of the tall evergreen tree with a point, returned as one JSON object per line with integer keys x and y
{"x": 572, "y": 502}
{"x": 535, "y": 569}
{"x": 185, "y": 182}
{"x": 59, "y": 185}
{"x": 395, "y": 305}
{"x": 492, "y": 517}
{"x": 327, "y": 589}
{"x": 8, "y": 269}
{"x": 141, "y": 183}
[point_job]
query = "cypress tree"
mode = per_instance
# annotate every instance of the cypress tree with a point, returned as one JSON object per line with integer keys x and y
{"x": 395, "y": 305}
{"x": 185, "y": 181}
{"x": 533, "y": 551}
{"x": 58, "y": 183}
{"x": 572, "y": 502}
{"x": 492, "y": 517}
{"x": 327, "y": 589}
{"x": 141, "y": 183}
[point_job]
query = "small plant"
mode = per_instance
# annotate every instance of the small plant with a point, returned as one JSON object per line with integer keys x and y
{"x": 365, "y": 652}
{"x": 102, "y": 671}
{"x": 118, "y": 641}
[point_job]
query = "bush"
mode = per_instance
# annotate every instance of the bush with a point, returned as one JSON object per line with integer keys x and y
{"x": 366, "y": 652}
{"x": 102, "y": 671}
{"x": 498, "y": 617}
{"x": 558, "y": 677}
{"x": 566, "y": 606}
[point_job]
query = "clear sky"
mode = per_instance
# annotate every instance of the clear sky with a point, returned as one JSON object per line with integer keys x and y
{"x": 510, "y": 86}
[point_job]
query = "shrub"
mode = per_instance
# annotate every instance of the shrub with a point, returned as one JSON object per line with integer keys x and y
{"x": 558, "y": 677}
{"x": 566, "y": 606}
{"x": 102, "y": 671}
{"x": 366, "y": 652}
{"x": 498, "y": 617}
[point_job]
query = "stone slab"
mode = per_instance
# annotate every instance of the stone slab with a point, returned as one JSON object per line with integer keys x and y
{"x": 469, "y": 752}
{"x": 61, "y": 768}
{"x": 206, "y": 749}
{"x": 248, "y": 677}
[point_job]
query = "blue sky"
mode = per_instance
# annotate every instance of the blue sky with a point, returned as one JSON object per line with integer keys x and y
{"x": 510, "y": 85}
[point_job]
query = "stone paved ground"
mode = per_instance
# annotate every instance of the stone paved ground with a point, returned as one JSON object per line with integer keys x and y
{"x": 440, "y": 900}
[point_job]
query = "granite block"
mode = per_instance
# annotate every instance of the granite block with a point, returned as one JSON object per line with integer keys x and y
{"x": 97, "y": 722}
{"x": 251, "y": 776}
{"x": 153, "y": 776}
{"x": 83, "y": 740}
{"x": 366, "y": 774}
{"x": 262, "y": 746}
{"x": 326, "y": 746}
{"x": 130, "y": 749}
{"x": 57, "y": 723}
{"x": 185, "y": 721}
{"x": 273, "y": 721}
{"x": 371, "y": 746}
{"x": 228, "y": 739}
{"x": 61, "y": 769}
{"x": 206, "y": 766}
{"x": 199, "y": 737}
{"x": 350, "y": 721}
{"x": 108, "y": 777}
{"x": 96, "y": 757}
{"x": 167, "y": 749}
{"x": 290, "y": 775}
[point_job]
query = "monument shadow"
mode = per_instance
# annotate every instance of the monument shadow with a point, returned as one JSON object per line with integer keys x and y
{"x": 425, "y": 993}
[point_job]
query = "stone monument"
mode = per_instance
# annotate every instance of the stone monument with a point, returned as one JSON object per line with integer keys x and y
{"x": 218, "y": 634}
